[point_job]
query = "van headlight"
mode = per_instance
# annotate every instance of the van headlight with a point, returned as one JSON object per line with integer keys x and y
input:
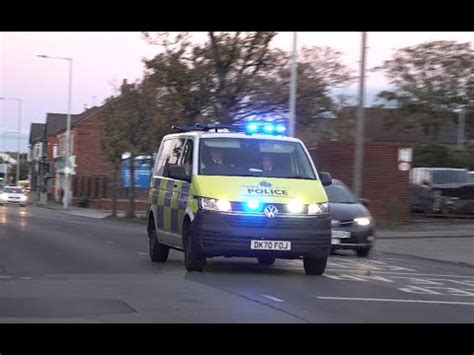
{"x": 362, "y": 221}
{"x": 295, "y": 206}
{"x": 212, "y": 204}
{"x": 318, "y": 208}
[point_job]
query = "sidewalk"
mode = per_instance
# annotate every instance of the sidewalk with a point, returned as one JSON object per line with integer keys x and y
{"x": 85, "y": 212}
{"x": 437, "y": 239}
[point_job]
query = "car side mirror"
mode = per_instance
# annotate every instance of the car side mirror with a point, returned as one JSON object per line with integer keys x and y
{"x": 326, "y": 178}
{"x": 365, "y": 202}
{"x": 425, "y": 183}
{"x": 178, "y": 173}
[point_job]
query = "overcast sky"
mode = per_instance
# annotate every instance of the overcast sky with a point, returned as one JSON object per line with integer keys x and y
{"x": 103, "y": 59}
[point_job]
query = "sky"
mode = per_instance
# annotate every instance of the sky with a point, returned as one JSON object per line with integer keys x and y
{"x": 101, "y": 60}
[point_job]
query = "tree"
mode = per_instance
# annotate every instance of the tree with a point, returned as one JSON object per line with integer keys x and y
{"x": 130, "y": 126}
{"x": 213, "y": 81}
{"x": 429, "y": 81}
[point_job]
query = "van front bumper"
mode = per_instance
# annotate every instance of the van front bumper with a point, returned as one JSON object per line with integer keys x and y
{"x": 222, "y": 234}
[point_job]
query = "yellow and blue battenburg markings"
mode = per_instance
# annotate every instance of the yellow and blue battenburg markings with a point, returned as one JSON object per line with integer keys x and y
{"x": 171, "y": 198}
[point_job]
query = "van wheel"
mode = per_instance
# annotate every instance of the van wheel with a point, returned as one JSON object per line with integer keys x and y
{"x": 194, "y": 260}
{"x": 158, "y": 252}
{"x": 314, "y": 266}
{"x": 266, "y": 260}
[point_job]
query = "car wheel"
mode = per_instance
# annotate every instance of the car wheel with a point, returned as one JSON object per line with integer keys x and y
{"x": 266, "y": 260}
{"x": 194, "y": 260}
{"x": 314, "y": 266}
{"x": 158, "y": 252}
{"x": 363, "y": 252}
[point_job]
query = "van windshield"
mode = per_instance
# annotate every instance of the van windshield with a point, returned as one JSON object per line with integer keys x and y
{"x": 254, "y": 157}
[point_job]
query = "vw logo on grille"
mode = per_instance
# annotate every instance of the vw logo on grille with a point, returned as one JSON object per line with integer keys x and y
{"x": 270, "y": 211}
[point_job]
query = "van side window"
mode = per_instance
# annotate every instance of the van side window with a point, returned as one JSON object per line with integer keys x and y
{"x": 171, "y": 154}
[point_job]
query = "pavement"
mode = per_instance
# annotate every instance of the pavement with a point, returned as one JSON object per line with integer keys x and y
{"x": 77, "y": 269}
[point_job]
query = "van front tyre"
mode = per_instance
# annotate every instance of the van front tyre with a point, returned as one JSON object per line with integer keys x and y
{"x": 194, "y": 260}
{"x": 314, "y": 266}
{"x": 158, "y": 252}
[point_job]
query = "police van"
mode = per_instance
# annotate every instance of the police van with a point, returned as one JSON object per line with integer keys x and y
{"x": 238, "y": 191}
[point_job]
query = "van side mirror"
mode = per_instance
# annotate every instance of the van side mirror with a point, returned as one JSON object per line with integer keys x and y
{"x": 178, "y": 173}
{"x": 365, "y": 202}
{"x": 326, "y": 178}
{"x": 425, "y": 183}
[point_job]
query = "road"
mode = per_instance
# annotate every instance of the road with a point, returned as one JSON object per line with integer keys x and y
{"x": 60, "y": 268}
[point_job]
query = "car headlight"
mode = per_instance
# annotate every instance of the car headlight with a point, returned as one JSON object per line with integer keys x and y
{"x": 295, "y": 206}
{"x": 23, "y": 198}
{"x": 212, "y": 204}
{"x": 362, "y": 221}
{"x": 3, "y": 196}
{"x": 318, "y": 208}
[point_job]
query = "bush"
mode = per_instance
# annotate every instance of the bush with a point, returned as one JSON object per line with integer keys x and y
{"x": 434, "y": 155}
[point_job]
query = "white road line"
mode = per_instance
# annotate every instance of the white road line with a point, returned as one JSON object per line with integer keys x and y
{"x": 142, "y": 254}
{"x": 4, "y": 277}
{"x": 272, "y": 298}
{"x": 110, "y": 242}
{"x": 25, "y": 278}
{"x": 395, "y": 273}
{"x": 393, "y": 300}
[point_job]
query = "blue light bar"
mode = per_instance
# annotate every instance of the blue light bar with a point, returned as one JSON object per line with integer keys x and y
{"x": 268, "y": 128}
{"x": 280, "y": 128}
{"x": 252, "y": 127}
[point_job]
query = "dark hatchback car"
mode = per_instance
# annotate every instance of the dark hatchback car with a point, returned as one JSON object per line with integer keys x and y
{"x": 352, "y": 224}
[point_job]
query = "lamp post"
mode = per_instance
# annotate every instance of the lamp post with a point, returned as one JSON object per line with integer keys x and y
{"x": 18, "y": 160}
{"x": 68, "y": 132}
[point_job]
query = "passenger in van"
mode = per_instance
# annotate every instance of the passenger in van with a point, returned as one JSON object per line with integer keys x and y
{"x": 268, "y": 167}
{"x": 216, "y": 163}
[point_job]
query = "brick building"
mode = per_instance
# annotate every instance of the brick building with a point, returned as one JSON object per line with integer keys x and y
{"x": 383, "y": 184}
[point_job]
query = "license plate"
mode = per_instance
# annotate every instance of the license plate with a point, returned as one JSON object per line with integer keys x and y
{"x": 340, "y": 234}
{"x": 270, "y": 245}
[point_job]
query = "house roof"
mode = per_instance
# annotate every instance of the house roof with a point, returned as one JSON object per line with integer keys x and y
{"x": 37, "y": 132}
{"x": 56, "y": 122}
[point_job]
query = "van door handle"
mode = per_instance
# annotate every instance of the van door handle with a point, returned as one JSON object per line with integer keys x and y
{"x": 175, "y": 185}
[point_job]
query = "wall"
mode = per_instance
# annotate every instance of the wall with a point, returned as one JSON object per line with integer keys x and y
{"x": 384, "y": 185}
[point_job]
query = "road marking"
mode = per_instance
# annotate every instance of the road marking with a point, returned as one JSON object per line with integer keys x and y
{"x": 141, "y": 253}
{"x": 25, "y": 278}
{"x": 398, "y": 273}
{"x": 4, "y": 277}
{"x": 393, "y": 300}
{"x": 272, "y": 298}
{"x": 110, "y": 242}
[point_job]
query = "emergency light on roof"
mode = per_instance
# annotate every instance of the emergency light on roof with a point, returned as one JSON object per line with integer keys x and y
{"x": 249, "y": 128}
{"x": 266, "y": 127}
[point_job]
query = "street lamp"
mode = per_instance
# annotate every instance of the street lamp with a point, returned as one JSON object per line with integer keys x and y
{"x": 68, "y": 132}
{"x": 19, "y": 135}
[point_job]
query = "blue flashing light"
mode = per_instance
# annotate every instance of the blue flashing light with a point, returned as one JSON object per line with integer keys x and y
{"x": 268, "y": 128}
{"x": 252, "y": 127}
{"x": 253, "y": 205}
{"x": 280, "y": 128}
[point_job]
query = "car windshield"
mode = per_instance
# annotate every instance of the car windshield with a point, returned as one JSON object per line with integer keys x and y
{"x": 450, "y": 176}
{"x": 12, "y": 190}
{"x": 340, "y": 194}
{"x": 254, "y": 157}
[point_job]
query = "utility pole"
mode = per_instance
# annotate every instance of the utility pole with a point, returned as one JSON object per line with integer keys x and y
{"x": 294, "y": 64}
{"x": 359, "y": 139}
